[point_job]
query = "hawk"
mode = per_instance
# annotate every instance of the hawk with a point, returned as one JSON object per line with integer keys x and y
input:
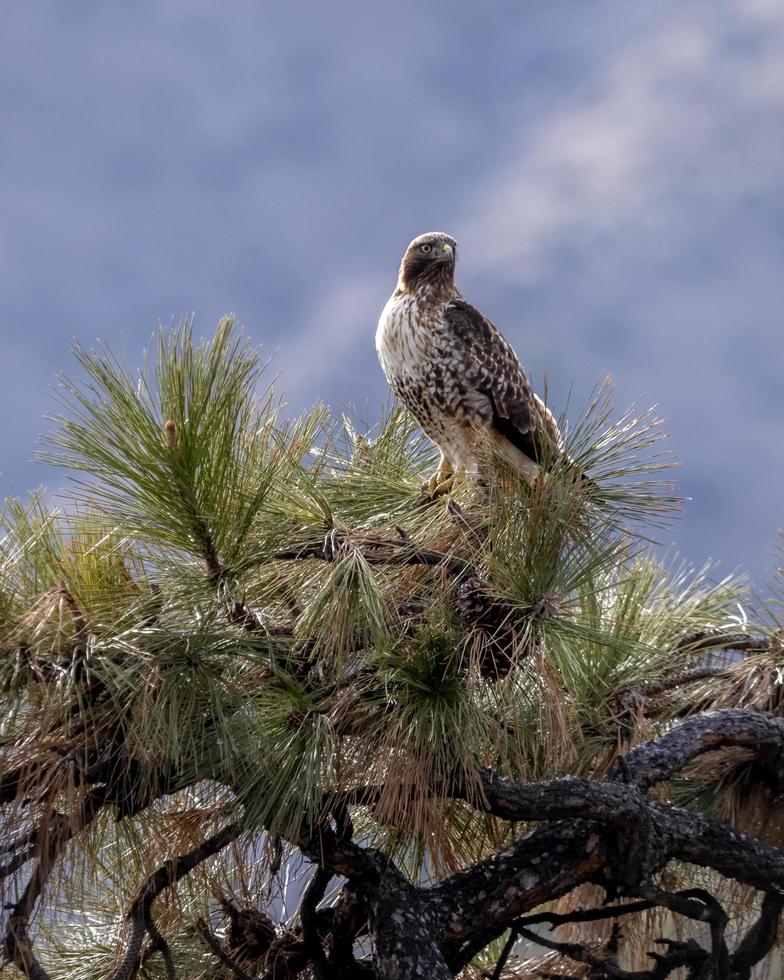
{"x": 456, "y": 373}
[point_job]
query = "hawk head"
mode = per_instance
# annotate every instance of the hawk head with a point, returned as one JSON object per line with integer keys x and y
{"x": 428, "y": 260}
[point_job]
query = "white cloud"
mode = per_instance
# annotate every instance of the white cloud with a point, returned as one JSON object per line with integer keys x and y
{"x": 668, "y": 112}
{"x": 334, "y": 342}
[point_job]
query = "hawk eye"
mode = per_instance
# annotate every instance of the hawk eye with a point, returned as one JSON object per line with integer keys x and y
{"x": 426, "y": 248}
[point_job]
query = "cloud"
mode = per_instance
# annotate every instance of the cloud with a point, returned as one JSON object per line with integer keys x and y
{"x": 638, "y": 231}
{"x": 615, "y": 183}
{"x": 678, "y": 112}
{"x": 331, "y": 352}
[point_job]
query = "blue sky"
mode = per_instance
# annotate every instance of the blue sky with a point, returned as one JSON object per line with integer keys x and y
{"x": 614, "y": 173}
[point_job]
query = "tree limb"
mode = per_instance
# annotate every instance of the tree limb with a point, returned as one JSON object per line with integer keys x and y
{"x": 760, "y": 938}
{"x": 307, "y": 913}
{"x": 213, "y": 944}
{"x": 140, "y": 912}
{"x": 659, "y": 759}
{"x": 379, "y": 551}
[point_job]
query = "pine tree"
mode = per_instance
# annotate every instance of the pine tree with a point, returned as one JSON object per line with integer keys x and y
{"x": 271, "y": 711}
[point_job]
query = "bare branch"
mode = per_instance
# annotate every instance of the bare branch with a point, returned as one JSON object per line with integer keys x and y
{"x": 380, "y": 551}
{"x": 140, "y": 912}
{"x": 640, "y": 693}
{"x": 718, "y": 640}
{"x": 17, "y": 945}
{"x": 213, "y": 943}
{"x": 660, "y": 759}
{"x": 47, "y": 839}
{"x": 307, "y": 913}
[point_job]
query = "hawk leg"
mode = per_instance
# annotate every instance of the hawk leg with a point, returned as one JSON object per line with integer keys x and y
{"x": 441, "y": 476}
{"x": 452, "y": 482}
{"x": 444, "y": 480}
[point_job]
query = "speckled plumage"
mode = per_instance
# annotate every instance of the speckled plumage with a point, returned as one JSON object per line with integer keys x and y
{"x": 454, "y": 370}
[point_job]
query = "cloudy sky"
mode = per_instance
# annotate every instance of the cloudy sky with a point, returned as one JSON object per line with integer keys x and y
{"x": 613, "y": 171}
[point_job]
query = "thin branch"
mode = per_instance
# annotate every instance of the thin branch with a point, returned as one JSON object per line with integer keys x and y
{"x": 307, "y": 913}
{"x": 158, "y": 944}
{"x": 635, "y": 697}
{"x": 639, "y": 693}
{"x": 49, "y": 839}
{"x": 380, "y": 551}
{"x": 348, "y": 921}
{"x": 688, "y": 954}
{"x": 514, "y": 935}
{"x": 17, "y": 943}
{"x": 717, "y": 640}
{"x": 213, "y": 943}
{"x": 18, "y": 860}
{"x": 167, "y": 875}
{"x": 573, "y": 950}
{"x": 80, "y": 634}
{"x": 705, "y": 909}
{"x": 555, "y": 919}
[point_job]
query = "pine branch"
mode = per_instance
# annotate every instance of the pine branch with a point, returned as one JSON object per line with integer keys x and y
{"x": 214, "y": 945}
{"x": 376, "y": 551}
{"x": 140, "y": 912}
{"x": 659, "y": 760}
{"x": 318, "y": 627}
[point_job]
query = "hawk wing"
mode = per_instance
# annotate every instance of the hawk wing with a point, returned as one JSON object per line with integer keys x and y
{"x": 490, "y": 367}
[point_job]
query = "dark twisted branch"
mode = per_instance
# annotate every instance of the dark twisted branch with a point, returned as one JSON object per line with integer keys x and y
{"x": 604, "y": 965}
{"x": 760, "y": 937}
{"x": 657, "y": 761}
{"x": 403, "y": 922}
{"x": 478, "y": 904}
{"x": 699, "y": 904}
{"x": 716, "y": 964}
{"x": 140, "y": 912}
{"x": 212, "y": 942}
{"x": 441, "y": 927}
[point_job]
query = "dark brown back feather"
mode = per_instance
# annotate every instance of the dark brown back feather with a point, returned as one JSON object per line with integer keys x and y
{"x": 492, "y": 368}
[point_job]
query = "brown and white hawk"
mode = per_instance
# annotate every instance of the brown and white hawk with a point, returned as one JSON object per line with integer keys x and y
{"x": 455, "y": 372}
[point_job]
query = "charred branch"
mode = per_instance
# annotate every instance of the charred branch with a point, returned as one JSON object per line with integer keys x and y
{"x": 660, "y": 759}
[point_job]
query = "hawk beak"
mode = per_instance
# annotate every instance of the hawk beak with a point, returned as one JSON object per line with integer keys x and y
{"x": 448, "y": 253}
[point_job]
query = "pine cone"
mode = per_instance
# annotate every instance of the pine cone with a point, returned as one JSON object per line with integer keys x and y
{"x": 493, "y": 623}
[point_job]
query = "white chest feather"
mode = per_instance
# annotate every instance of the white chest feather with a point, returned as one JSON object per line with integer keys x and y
{"x": 418, "y": 358}
{"x": 403, "y": 342}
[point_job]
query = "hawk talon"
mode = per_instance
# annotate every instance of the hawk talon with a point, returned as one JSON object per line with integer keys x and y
{"x": 443, "y": 482}
{"x": 440, "y": 476}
